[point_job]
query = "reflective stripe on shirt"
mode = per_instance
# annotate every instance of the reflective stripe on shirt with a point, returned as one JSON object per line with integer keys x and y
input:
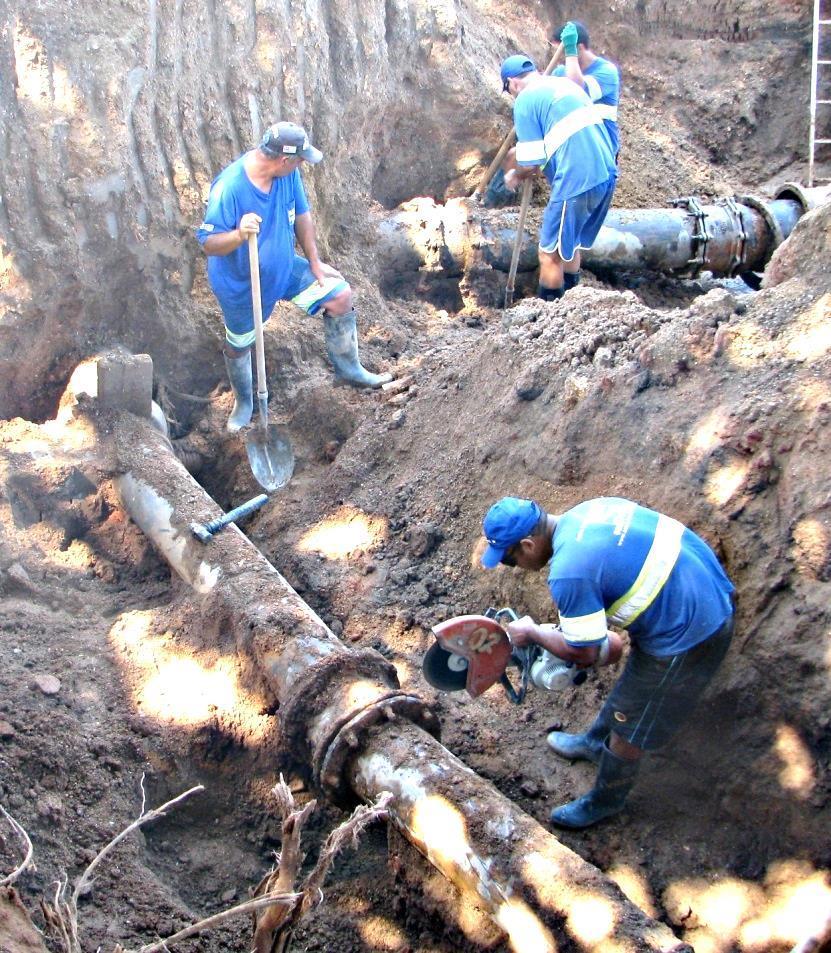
{"x": 584, "y": 629}
{"x": 606, "y": 112}
{"x": 659, "y": 562}
{"x": 563, "y": 130}
{"x": 592, "y": 87}
{"x": 530, "y": 152}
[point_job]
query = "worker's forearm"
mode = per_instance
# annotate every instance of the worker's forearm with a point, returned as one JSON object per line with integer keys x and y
{"x": 573, "y": 71}
{"x": 304, "y": 231}
{"x": 224, "y": 242}
{"x": 550, "y": 637}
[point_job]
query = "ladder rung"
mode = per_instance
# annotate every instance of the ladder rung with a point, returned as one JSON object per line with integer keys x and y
{"x": 822, "y": 142}
{"x": 823, "y": 62}
{"x": 824, "y": 102}
{"x": 824, "y": 22}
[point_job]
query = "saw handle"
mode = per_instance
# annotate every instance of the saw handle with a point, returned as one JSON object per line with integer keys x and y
{"x": 523, "y": 658}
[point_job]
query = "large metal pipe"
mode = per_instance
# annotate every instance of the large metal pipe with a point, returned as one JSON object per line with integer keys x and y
{"x": 345, "y": 718}
{"x": 729, "y": 237}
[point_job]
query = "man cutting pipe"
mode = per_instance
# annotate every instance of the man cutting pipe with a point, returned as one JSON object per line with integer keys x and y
{"x": 611, "y": 561}
{"x": 262, "y": 194}
{"x": 560, "y": 131}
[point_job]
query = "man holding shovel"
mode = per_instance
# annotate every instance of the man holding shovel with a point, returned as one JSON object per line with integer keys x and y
{"x": 262, "y": 194}
{"x": 559, "y": 131}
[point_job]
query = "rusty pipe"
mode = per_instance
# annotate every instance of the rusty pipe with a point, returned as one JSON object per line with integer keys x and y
{"x": 729, "y": 237}
{"x": 345, "y": 717}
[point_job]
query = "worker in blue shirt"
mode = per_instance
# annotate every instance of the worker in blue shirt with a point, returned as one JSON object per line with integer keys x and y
{"x": 599, "y": 77}
{"x": 559, "y": 131}
{"x": 262, "y": 194}
{"x": 611, "y": 561}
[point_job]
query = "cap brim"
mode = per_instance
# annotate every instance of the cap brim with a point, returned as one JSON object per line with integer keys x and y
{"x": 312, "y": 155}
{"x": 492, "y": 557}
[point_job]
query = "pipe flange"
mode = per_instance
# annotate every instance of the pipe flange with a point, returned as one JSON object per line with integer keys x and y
{"x": 762, "y": 207}
{"x": 738, "y": 248}
{"x": 753, "y": 279}
{"x": 309, "y": 694}
{"x": 331, "y": 777}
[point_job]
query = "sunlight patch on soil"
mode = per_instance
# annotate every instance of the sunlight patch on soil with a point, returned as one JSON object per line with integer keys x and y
{"x": 707, "y": 435}
{"x": 791, "y": 903}
{"x": 811, "y": 549}
{"x": 636, "y": 887}
{"x": 725, "y": 482}
{"x": 172, "y": 685}
{"x": 798, "y": 774}
{"x": 344, "y": 533}
{"x": 811, "y": 332}
{"x": 380, "y": 933}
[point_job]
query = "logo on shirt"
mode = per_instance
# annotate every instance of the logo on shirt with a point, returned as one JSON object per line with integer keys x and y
{"x": 291, "y": 215}
{"x": 206, "y": 227}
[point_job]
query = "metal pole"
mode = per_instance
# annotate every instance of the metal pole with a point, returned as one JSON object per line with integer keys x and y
{"x": 812, "y": 126}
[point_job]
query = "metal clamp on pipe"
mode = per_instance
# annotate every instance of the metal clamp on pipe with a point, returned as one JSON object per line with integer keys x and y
{"x": 739, "y": 247}
{"x": 699, "y": 236}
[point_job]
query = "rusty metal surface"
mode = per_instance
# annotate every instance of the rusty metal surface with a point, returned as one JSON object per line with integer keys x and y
{"x": 539, "y": 892}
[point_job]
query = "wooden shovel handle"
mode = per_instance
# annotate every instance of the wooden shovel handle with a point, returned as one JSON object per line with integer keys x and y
{"x": 257, "y": 303}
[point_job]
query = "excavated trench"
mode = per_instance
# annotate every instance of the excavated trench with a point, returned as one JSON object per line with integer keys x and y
{"x": 695, "y": 396}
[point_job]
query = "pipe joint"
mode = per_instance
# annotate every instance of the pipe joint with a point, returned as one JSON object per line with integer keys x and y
{"x": 331, "y": 774}
{"x": 332, "y": 703}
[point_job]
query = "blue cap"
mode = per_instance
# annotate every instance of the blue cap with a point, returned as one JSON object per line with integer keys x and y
{"x": 505, "y": 524}
{"x": 515, "y": 65}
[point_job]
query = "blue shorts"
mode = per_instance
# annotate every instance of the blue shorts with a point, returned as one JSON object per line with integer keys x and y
{"x": 655, "y": 696}
{"x": 571, "y": 224}
{"x": 303, "y": 291}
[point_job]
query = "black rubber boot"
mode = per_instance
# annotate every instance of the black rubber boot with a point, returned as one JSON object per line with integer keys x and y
{"x": 242, "y": 384}
{"x": 587, "y": 746}
{"x": 570, "y": 280}
{"x": 614, "y": 781}
{"x": 549, "y": 294}
{"x": 341, "y": 333}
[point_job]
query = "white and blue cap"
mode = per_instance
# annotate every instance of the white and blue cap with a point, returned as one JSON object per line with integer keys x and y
{"x": 505, "y": 524}
{"x": 289, "y": 139}
{"x": 515, "y": 65}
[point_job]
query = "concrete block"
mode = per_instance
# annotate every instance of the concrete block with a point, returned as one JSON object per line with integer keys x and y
{"x": 125, "y": 382}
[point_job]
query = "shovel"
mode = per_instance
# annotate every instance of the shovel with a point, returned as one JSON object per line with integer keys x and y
{"x": 527, "y": 188}
{"x": 269, "y": 449}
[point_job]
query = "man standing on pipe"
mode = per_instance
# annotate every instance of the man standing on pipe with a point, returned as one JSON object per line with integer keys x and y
{"x": 559, "y": 131}
{"x": 599, "y": 77}
{"x": 261, "y": 193}
{"x": 612, "y": 561}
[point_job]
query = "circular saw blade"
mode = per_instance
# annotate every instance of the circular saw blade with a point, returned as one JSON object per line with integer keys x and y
{"x": 444, "y": 670}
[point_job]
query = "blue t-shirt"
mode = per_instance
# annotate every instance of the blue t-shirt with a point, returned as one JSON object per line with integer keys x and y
{"x": 617, "y": 562}
{"x": 557, "y": 127}
{"x": 602, "y": 83}
{"x": 232, "y": 195}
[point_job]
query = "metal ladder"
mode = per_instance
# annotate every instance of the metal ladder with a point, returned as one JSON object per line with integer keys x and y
{"x": 816, "y": 63}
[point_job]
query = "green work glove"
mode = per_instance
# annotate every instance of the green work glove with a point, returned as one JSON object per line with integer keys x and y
{"x": 568, "y": 37}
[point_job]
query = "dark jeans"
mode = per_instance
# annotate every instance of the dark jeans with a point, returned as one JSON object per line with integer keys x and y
{"x": 655, "y": 696}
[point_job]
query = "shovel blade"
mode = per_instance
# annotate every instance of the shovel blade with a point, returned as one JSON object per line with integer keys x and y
{"x": 271, "y": 456}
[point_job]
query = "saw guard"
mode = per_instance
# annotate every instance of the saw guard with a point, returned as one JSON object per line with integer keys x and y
{"x": 483, "y": 642}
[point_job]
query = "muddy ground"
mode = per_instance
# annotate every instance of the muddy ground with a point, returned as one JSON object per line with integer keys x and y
{"x": 706, "y": 401}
